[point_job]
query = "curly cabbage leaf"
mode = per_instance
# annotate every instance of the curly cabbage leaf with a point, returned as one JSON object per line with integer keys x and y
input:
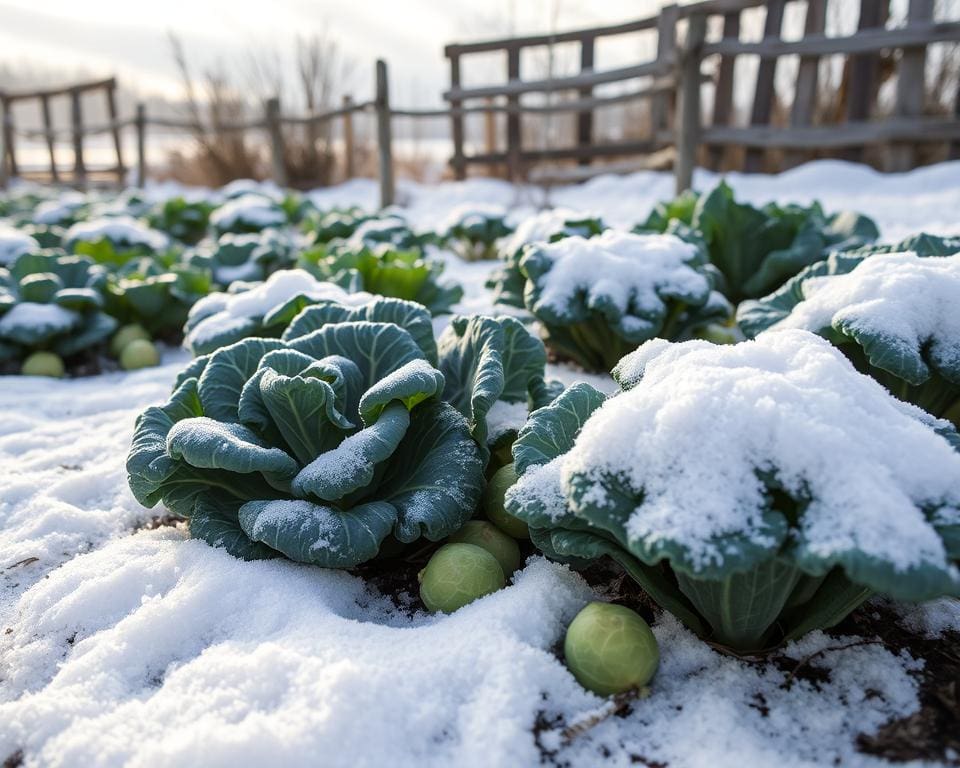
{"x": 182, "y": 219}
{"x": 114, "y": 240}
{"x": 246, "y": 257}
{"x": 473, "y": 230}
{"x": 757, "y": 491}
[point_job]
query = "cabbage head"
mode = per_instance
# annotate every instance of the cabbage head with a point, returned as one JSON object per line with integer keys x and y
{"x": 753, "y": 500}
{"x": 345, "y": 436}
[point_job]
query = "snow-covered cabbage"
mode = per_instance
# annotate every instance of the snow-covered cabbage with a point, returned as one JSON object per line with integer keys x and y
{"x": 895, "y": 315}
{"x": 250, "y": 212}
{"x": 347, "y": 432}
{"x": 52, "y": 302}
{"x": 114, "y": 240}
{"x": 599, "y": 298}
{"x": 507, "y": 281}
{"x": 246, "y": 257}
{"x": 757, "y": 491}
{"x": 474, "y": 230}
{"x": 14, "y": 243}
{"x": 258, "y": 309}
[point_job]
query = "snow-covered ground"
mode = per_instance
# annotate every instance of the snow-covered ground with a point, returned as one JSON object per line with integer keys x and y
{"x": 126, "y": 645}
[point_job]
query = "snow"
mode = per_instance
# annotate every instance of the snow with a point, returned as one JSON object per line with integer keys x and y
{"x": 46, "y": 318}
{"x": 541, "y": 228}
{"x": 468, "y": 214}
{"x": 222, "y": 312}
{"x": 249, "y": 209}
{"x": 123, "y": 230}
{"x": 14, "y": 243}
{"x": 880, "y": 297}
{"x": 705, "y": 419}
{"x": 626, "y": 275}
{"x": 59, "y": 210}
{"x": 505, "y": 417}
{"x": 150, "y": 649}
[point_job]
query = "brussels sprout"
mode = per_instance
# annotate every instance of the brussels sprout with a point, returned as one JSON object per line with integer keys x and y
{"x": 502, "y": 479}
{"x": 43, "y": 364}
{"x": 458, "y": 574}
{"x": 125, "y": 335}
{"x": 496, "y": 542}
{"x": 139, "y": 353}
{"x": 610, "y": 649}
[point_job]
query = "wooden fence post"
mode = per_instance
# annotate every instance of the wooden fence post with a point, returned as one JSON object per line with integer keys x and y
{"x": 688, "y": 102}
{"x": 456, "y": 119}
{"x": 490, "y": 131}
{"x": 48, "y": 135}
{"x": 723, "y": 97}
{"x": 141, "y": 125}
{"x": 4, "y": 110}
{"x": 910, "y": 87}
{"x": 805, "y": 96}
{"x": 348, "y": 141}
{"x": 76, "y": 121}
{"x": 666, "y": 55}
{"x": 115, "y": 130}
{"x": 585, "y": 118}
{"x": 384, "y": 136}
{"x": 514, "y": 132}
{"x": 763, "y": 96}
{"x": 862, "y": 73}
{"x": 278, "y": 165}
{"x": 9, "y": 136}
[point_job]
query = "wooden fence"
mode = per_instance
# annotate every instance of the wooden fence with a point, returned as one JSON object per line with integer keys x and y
{"x": 672, "y": 81}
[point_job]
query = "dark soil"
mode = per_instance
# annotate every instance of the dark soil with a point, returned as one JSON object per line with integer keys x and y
{"x": 930, "y": 734}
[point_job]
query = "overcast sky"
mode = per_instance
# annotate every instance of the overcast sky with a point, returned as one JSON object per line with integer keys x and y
{"x": 129, "y": 38}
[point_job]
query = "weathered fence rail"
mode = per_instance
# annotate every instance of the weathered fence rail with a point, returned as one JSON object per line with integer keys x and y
{"x": 672, "y": 81}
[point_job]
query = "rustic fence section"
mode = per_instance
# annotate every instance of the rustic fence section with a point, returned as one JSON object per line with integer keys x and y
{"x": 672, "y": 81}
{"x": 506, "y": 97}
{"x": 903, "y": 130}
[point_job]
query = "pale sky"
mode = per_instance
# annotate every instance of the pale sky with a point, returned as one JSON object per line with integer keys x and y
{"x": 129, "y": 37}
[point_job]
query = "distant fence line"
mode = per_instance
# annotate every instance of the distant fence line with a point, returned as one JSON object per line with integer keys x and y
{"x": 679, "y": 129}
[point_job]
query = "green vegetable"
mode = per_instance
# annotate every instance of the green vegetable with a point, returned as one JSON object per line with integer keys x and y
{"x": 493, "y": 503}
{"x": 43, "y": 364}
{"x": 125, "y": 335}
{"x": 763, "y": 576}
{"x": 474, "y": 232}
{"x": 458, "y": 574}
{"x": 757, "y": 249}
{"x": 139, "y": 353}
{"x": 492, "y": 539}
{"x": 52, "y": 302}
{"x": 348, "y": 432}
{"x": 598, "y": 299}
{"x": 186, "y": 221}
{"x": 610, "y": 649}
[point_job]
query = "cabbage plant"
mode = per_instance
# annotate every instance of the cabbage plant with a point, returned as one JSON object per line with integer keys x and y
{"x": 508, "y": 281}
{"x": 114, "y": 241}
{"x": 758, "y": 249}
{"x": 248, "y": 212}
{"x": 155, "y": 296}
{"x": 403, "y": 274}
{"x": 52, "y": 302}
{"x": 343, "y": 437}
{"x": 333, "y": 225}
{"x": 598, "y": 299}
{"x": 248, "y": 257}
{"x": 474, "y": 230}
{"x": 185, "y": 220}
{"x": 756, "y": 491}
{"x": 867, "y": 305}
